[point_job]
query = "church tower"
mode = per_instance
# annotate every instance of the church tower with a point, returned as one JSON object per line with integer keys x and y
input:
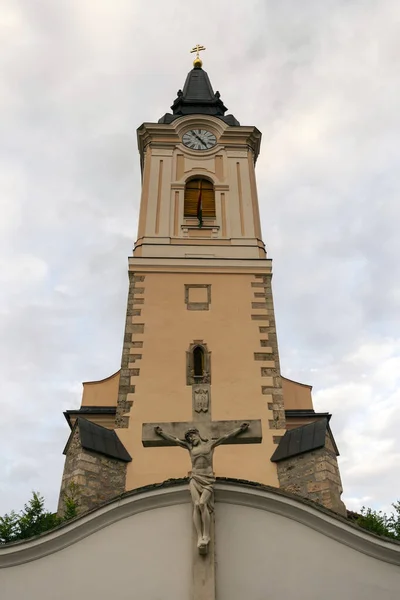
{"x": 200, "y": 342}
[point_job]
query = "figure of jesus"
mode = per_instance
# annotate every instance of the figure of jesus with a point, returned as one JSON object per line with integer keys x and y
{"x": 202, "y": 477}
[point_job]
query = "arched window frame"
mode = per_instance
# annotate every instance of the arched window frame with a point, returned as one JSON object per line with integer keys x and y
{"x": 198, "y": 361}
{"x": 191, "y": 195}
{"x": 205, "y": 377}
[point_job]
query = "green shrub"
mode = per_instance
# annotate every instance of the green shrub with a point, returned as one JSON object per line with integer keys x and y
{"x": 379, "y": 522}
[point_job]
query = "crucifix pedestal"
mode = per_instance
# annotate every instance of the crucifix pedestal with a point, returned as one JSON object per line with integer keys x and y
{"x": 200, "y": 437}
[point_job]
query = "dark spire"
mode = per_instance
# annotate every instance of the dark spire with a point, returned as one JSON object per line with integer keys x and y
{"x": 198, "y": 98}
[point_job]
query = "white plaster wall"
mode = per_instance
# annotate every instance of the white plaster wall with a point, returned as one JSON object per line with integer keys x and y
{"x": 268, "y": 546}
{"x": 264, "y": 556}
{"x": 145, "y": 556}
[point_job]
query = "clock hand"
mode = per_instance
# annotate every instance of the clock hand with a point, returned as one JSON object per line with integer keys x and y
{"x": 199, "y": 138}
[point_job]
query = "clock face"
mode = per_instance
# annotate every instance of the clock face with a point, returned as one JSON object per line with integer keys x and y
{"x": 199, "y": 139}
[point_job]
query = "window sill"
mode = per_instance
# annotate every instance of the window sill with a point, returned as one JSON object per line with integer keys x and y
{"x": 207, "y": 223}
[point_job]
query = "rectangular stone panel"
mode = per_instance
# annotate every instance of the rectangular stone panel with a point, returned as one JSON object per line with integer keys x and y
{"x": 197, "y": 296}
{"x": 261, "y": 356}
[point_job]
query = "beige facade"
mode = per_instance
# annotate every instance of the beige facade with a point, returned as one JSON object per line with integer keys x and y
{"x": 161, "y": 392}
{"x": 219, "y": 267}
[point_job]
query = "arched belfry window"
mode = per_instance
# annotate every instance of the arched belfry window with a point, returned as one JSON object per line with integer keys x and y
{"x": 199, "y": 196}
{"x": 198, "y": 363}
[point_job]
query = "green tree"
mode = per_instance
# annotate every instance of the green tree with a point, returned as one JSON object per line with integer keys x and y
{"x": 9, "y": 527}
{"x": 34, "y": 519}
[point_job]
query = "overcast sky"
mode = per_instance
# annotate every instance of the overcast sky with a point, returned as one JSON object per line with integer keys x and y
{"x": 321, "y": 80}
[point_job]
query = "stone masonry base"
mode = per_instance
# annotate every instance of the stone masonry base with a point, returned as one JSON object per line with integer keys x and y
{"x": 98, "y": 478}
{"x": 314, "y": 475}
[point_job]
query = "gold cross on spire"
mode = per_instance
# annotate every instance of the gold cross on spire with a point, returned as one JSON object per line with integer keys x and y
{"x": 197, "y": 61}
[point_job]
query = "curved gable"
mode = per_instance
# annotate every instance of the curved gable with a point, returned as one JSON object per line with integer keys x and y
{"x": 269, "y": 544}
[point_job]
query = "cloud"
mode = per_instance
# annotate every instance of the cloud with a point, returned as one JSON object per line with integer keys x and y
{"x": 366, "y": 418}
{"x": 321, "y": 81}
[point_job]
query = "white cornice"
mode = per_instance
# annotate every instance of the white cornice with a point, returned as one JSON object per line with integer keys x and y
{"x": 22, "y": 552}
{"x": 252, "y": 496}
{"x": 320, "y": 520}
{"x": 201, "y": 264}
{"x": 164, "y": 135}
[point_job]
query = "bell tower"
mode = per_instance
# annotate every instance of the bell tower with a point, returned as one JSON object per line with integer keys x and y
{"x": 200, "y": 326}
{"x": 192, "y": 156}
{"x": 200, "y": 303}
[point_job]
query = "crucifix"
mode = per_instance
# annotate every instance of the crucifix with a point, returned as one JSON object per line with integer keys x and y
{"x": 198, "y": 48}
{"x": 200, "y": 437}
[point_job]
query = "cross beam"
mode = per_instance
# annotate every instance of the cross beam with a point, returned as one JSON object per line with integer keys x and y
{"x": 198, "y": 48}
{"x": 212, "y": 431}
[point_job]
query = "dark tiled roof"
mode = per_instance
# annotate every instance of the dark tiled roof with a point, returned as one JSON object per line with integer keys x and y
{"x": 102, "y": 440}
{"x": 301, "y": 439}
{"x": 305, "y": 413}
{"x": 89, "y": 410}
{"x": 197, "y": 97}
{"x": 198, "y": 88}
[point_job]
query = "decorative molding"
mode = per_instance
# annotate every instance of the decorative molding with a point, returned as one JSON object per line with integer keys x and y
{"x": 176, "y": 213}
{"x": 190, "y": 264}
{"x": 240, "y": 194}
{"x": 201, "y": 399}
{"x": 308, "y": 514}
{"x": 159, "y": 190}
{"x": 223, "y": 214}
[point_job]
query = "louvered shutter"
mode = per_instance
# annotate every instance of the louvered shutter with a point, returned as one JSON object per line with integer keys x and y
{"x": 192, "y": 196}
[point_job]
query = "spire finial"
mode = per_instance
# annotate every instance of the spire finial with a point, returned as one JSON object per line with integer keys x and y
{"x": 197, "y": 63}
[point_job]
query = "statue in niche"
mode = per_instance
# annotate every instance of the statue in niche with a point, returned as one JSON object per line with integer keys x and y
{"x": 202, "y": 477}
